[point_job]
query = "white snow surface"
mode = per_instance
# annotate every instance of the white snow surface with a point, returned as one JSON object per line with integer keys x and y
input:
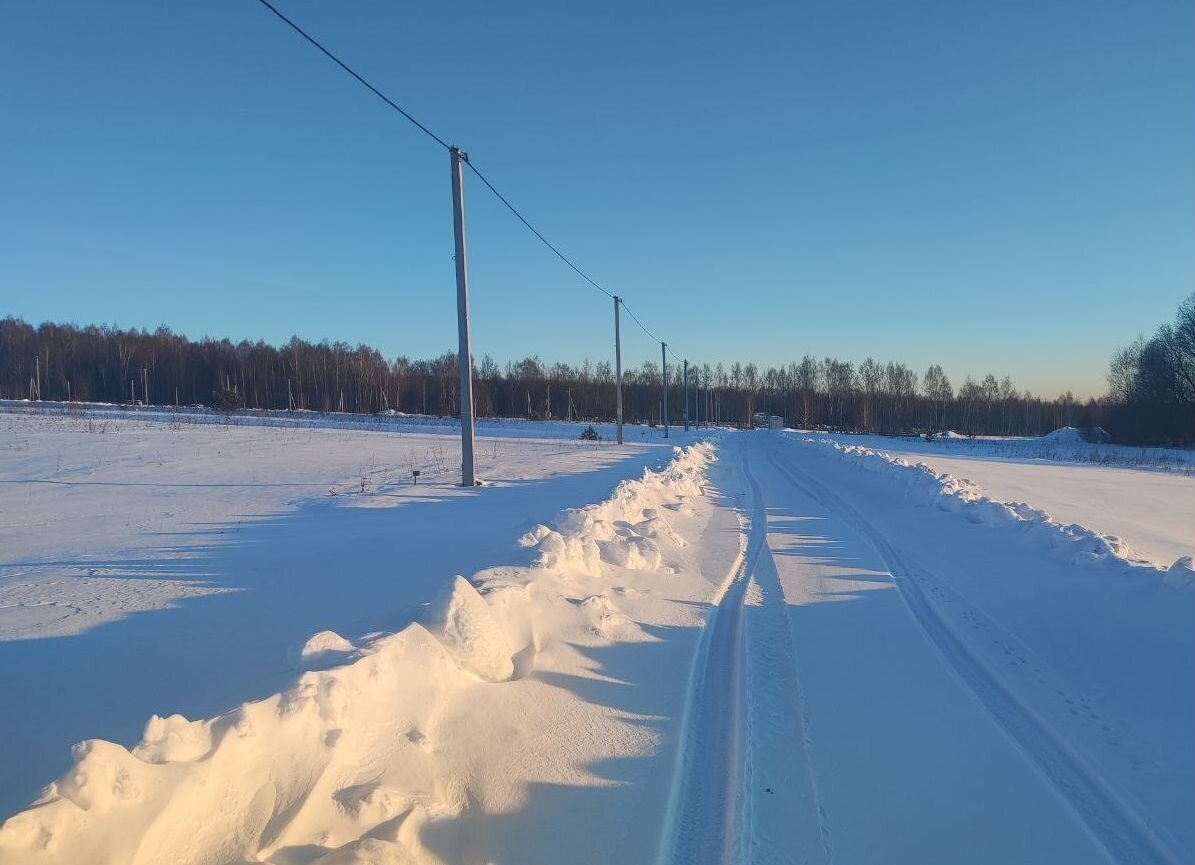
{"x": 466, "y": 626}
{"x": 1082, "y": 652}
{"x": 1143, "y": 496}
{"x": 104, "y": 517}
{"x": 429, "y": 744}
{"x": 761, "y": 648}
{"x": 1080, "y": 544}
{"x": 149, "y": 566}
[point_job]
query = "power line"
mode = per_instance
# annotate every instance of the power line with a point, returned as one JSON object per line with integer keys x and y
{"x": 349, "y": 70}
{"x": 642, "y": 326}
{"x": 533, "y": 230}
{"x": 311, "y": 39}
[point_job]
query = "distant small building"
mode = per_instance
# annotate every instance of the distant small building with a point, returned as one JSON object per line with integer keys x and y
{"x": 763, "y": 420}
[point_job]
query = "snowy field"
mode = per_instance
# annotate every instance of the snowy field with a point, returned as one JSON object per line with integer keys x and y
{"x": 120, "y": 502}
{"x": 151, "y": 565}
{"x": 1144, "y": 495}
{"x": 762, "y": 647}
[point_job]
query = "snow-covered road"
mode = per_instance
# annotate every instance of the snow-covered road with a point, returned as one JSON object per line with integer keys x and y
{"x": 939, "y": 694}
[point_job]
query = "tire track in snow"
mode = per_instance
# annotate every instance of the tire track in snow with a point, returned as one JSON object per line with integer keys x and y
{"x": 782, "y": 821}
{"x": 1117, "y": 828}
{"x": 700, "y": 828}
{"x": 744, "y": 790}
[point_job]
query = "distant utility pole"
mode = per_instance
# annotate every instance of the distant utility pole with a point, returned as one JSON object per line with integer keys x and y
{"x": 617, "y": 369}
{"x": 464, "y": 356}
{"x": 664, "y": 361}
{"x": 686, "y": 379}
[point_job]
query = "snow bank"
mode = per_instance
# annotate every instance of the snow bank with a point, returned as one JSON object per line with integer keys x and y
{"x": 1071, "y": 445}
{"x": 463, "y": 622}
{"x": 322, "y": 650}
{"x": 348, "y": 764}
{"x": 628, "y": 529}
{"x": 1181, "y": 573}
{"x": 240, "y": 786}
{"x": 1067, "y": 435}
{"x": 1081, "y": 545}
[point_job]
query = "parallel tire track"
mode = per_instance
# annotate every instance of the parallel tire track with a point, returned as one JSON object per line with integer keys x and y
{"x": 744, "y": 789}
{"x": 781, "y": 819}
{"x": 1121, "y": 832}
{"x": 700, "y": 829}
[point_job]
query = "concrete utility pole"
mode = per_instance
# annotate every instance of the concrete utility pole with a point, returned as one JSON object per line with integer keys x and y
{"x": 617, "y": 369}
{"x": 686, "y": 377}
{"x": 464, "y": 355}
{"x": 664, "y": 361}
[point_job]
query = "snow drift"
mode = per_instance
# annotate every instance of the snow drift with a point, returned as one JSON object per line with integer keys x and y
{"x": 466, "y": 626}
{"x": 627, "y": 529}
{"x": 1072, "y": 445}
{"x": 393, "y": 755}
{"x": 1079, "y": 544}
{"x": 1067, "y": 435}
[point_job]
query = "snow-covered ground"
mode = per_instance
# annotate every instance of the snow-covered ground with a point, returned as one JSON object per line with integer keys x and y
{"x": 100, "y": 496}
{"x": 768, "y": 648}
{"x": 1013, "y": 679}
{"x": 1144, "y": 495}
{"x": 148, "y": 566}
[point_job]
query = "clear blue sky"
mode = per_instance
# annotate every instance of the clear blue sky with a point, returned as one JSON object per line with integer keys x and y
{"x": 1004, "y": 187}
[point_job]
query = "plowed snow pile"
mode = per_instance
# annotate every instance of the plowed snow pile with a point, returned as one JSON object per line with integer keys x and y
{"x": 1145, "y": 496}
{"x": 1077, "y": 543}
{"x": 430, "y": 744}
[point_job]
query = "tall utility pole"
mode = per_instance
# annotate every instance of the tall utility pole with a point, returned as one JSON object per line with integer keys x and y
{"x": 686, "y": 378}
{"x": 464, "y": 356}
{"x": 664, "y": 362}
{"x": 617, "y": 369}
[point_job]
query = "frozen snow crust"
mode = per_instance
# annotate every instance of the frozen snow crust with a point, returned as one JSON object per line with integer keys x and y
{"x": 1077, "y": 543}
{"x": 342, "y": 764}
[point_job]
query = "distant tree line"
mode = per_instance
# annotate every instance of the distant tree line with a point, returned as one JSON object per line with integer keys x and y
{"x": 1151, "y": 385}
{"x": 108, "y": 364}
